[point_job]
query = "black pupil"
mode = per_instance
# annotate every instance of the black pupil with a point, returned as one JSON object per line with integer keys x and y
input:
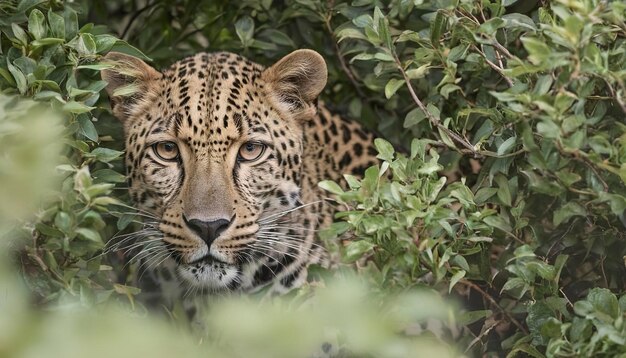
{"x": 169, "y": 147}
{"x": 250, "y": 147}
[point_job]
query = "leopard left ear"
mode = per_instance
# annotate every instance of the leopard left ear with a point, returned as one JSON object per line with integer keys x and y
{"x": 298, "y": 78}
{"x": 129, "y": 80}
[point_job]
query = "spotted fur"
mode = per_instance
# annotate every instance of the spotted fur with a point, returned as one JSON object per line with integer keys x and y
{"x": 210, "y": 105}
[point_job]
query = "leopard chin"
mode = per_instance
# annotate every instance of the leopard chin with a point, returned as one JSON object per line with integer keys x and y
{"x": 209, "y": 275}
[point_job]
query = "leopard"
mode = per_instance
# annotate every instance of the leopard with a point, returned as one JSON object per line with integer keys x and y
{"x": 224, "y": 156}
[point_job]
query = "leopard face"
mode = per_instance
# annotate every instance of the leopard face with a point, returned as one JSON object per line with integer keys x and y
{"x": 214, "y": 150}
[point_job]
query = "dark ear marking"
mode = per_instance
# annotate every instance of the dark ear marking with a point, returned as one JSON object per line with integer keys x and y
{"x": 128, "y": 81}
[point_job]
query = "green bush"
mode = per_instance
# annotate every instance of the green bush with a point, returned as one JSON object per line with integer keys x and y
{"x": 508, "y": 180}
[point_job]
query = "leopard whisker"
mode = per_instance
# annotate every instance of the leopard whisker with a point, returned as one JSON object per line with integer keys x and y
{"x": 297, "y": 248}
{"x": 276, "y": 216}
{"x": 136, "y": 245}
{"x": 148, "y": 261}
{"x": 287, "y": 228}
{"x": 290, "y": 239}
{"x": 285, "y": 253}
{"x": 132, "y": 245}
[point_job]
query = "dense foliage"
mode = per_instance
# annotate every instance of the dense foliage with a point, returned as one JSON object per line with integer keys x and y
{"x": 506, "y": 187}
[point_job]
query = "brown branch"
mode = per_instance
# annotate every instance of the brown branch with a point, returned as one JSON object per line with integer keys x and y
{"x": 133, "y": 18}
{"x": 582, "y": 158}
{"x": 502, "y": 49}
{"x": 494, "y": 66}
{"x": 481, "y": 335}
{"x": 342, "y": 61}
{"x": 494, "y": 303}
{"x": 435, "y": 121}
{"x": 615, "y": 96}
{"x": 590, "y": 165}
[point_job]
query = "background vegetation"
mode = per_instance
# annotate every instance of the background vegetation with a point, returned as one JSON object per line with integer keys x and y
{"x": 507, "y": 189}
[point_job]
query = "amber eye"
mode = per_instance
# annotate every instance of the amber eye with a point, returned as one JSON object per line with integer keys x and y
{"x": 166, "y": 150}
{"x": 251, "y": 151}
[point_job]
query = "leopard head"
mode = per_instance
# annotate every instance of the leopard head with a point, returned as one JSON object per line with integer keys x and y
{"x": 213, "y": 153}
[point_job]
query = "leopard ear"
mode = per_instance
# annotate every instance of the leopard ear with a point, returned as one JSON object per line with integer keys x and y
{"x": 297, "y": 78}
{"x": 129, "y": 80}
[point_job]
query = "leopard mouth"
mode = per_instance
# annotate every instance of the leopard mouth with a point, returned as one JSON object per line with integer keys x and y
{"x": 208, "y": 259}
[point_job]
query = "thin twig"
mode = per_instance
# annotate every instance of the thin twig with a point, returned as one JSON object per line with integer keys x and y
{"x": 435, "y": 121}
{"x": 590, "y": 165}
{"x": 481, "y": 335}
{"x": 582, "y": 157}
{"x": 342, "y": 61}
{"x": 501, "y": 48}
{"x": 494, "y": 303}
{"x": 133, "y": 18}
{"x": 494, "y": 66}
{"x": 566, "y": 298}
{"x": 615, "y": 96}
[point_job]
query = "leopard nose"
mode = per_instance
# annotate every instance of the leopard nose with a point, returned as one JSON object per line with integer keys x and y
{"x": 208, "y": 231}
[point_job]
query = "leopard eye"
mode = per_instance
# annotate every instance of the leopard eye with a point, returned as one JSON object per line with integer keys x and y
{"x": 167, "y": 151}
{"x": 251, "y": 151}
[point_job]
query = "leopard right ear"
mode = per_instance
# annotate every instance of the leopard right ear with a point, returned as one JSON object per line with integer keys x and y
{"x": 129, "y": 80}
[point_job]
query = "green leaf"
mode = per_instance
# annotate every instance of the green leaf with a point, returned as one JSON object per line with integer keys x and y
{"x": 70, "y": 18}
{"x": 456, "y": 278}
{"x": 515, "y": 20}
{"x": 108, "y": 176}
{"x": 512, "y": 284}
{"x": 525, "y": 348}
{"x": 415, "y": 116}
{"x": 504, "y": 192}
{"x": 20, "y": 79}
{"x": 483, "y": 194}
{"x": 492, "y": 25}
{"x": 8, "y": 77}
{"x": 551, "y": 328}
{"x": 383, "y": 28}
{"x": 77, "y": 107}
{"x": 125, "y": 220}
{"x": 568, "y": 211}
{"x": 437, "y": 28}
{"x": 96, "y": 190}
{"x": 47, "y": 41}
{"x": 19, "y": 34}
{"x": 37, "y": 24}
{"x": 447, "y": 89}
{"x": 416, "y": 73}
{"x": 87, "y": 128}
{"x": 363, "y": 20}
{"x": 350, "y": 33}
{"x": 356, "y": 249}
{"x": 467, "y": 318}
{"x": 244, "y": 27}
{"x": 89, "y": 234}
{"x": 498, "y": 222}
{"x": 542, "y": 269}
{"x": 392, "y": 87}
{"x": 57, "y": 24}
{"x": 25, "y": 5}
{"x": 433, "y": 110}
{"x": 330, "y": 186}
{"x": 104, "y": 43}
{"x": 537, "y": 49}
{"x": 63, "y": 222}
{"x": 605, "y": 301}
{"x": 105, "y": 155}
{"x": 85, "y": 45}
{"x": 384, "y": 148}
{"x": 506, "y": 146}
